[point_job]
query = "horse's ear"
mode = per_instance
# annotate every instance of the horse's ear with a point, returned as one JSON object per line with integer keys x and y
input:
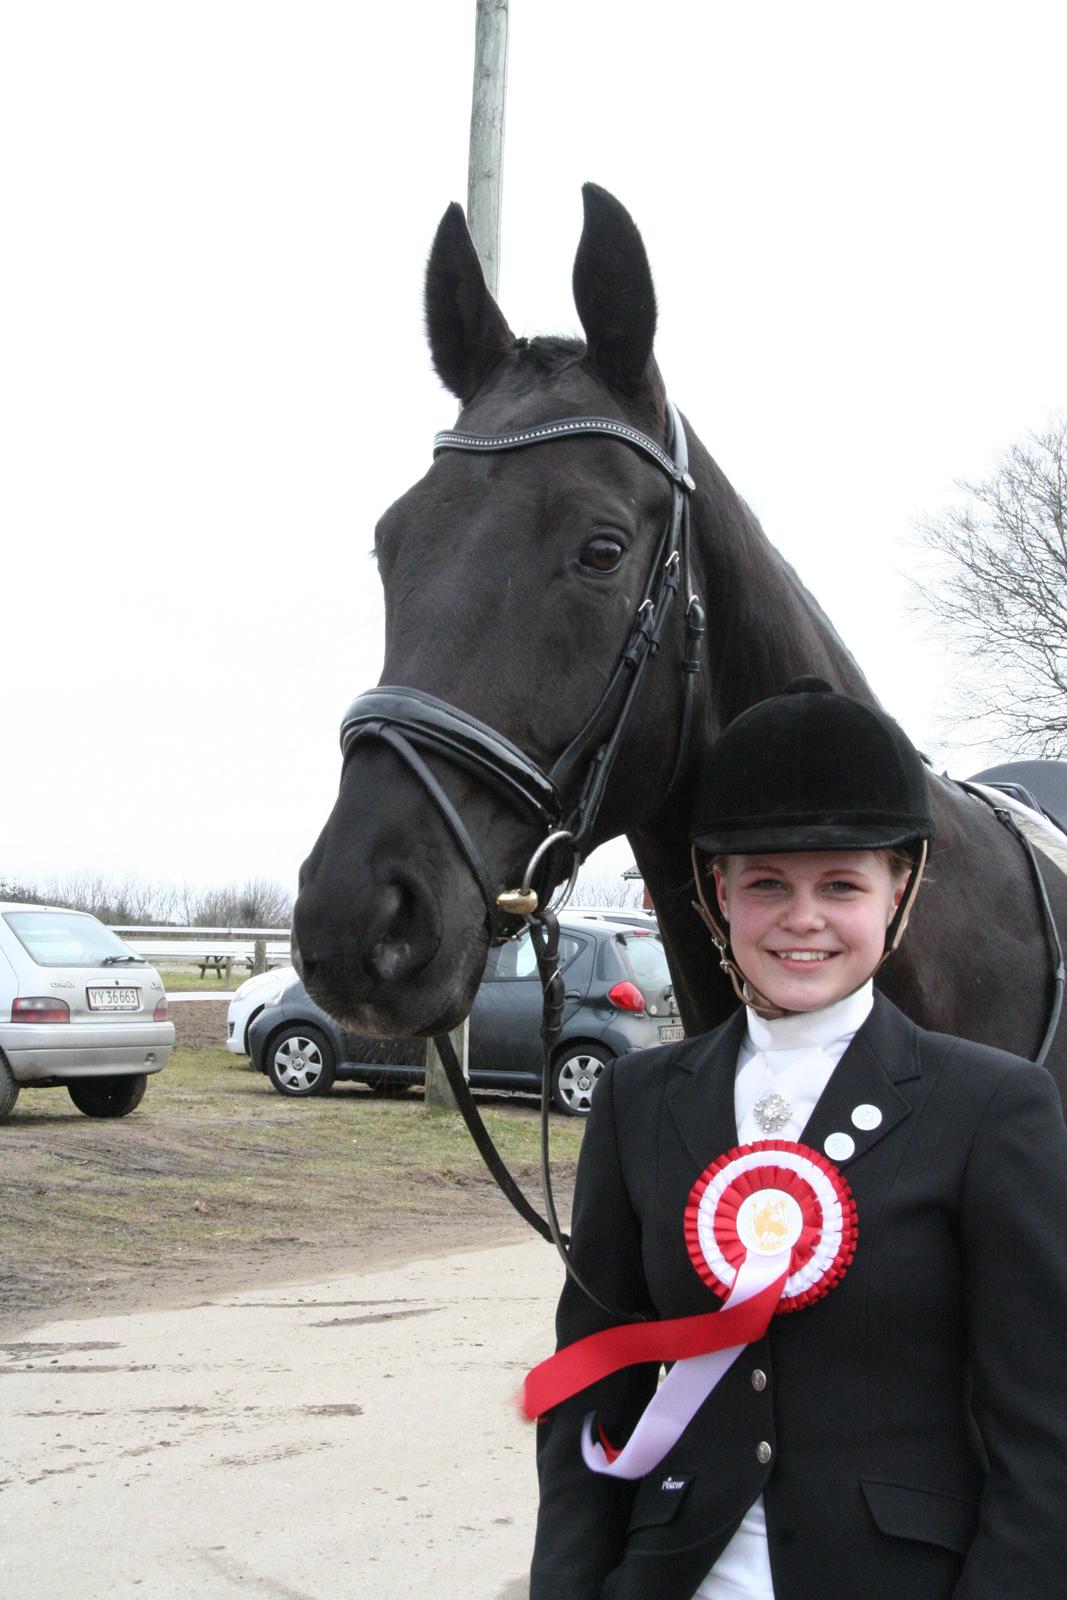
{"x": 466, "y": 330}
{"x": 613, "y": 292}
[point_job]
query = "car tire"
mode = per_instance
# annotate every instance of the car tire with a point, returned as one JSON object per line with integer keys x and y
{"x": 300, "y": 1062}
{"x": 115, "y": 1096}
{"x": 574, "y": 1077}
{"x": 9, "y": 1089}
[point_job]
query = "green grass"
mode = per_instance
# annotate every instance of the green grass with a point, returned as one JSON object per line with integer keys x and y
{"x": 183, "y": 980}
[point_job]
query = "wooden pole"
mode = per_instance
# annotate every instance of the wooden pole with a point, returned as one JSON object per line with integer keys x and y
{"x": 485, "y": 161}
{"x": 439, "y": 1096}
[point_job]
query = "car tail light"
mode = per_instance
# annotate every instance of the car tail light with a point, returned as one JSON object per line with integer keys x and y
{"x": 40, "y": 1008}
{"x": 627, "y": 996}
{"x": 160, "y": 1014}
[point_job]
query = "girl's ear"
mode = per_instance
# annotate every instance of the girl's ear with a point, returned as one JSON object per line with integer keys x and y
{"x": 720, "y": 890}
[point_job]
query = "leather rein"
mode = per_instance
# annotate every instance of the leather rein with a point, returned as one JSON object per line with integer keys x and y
{"x": 414, "y": 724}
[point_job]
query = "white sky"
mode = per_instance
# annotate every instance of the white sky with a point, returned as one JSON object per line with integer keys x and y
{"x": 213, "y": 377}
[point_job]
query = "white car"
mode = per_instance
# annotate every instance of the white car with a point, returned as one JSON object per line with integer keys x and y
{"x": 78, "y": 1010}
{"x": 265, "y": 989}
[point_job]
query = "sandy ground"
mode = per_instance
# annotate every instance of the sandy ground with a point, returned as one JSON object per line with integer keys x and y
{"x": 351, "y": 1437}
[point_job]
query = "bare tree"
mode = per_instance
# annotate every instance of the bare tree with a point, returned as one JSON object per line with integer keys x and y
{"x": 129, "y": 901}
{"x": 998, "y": 594}
{"x": 257, "y": 903}
{"x": 606, "y": 892}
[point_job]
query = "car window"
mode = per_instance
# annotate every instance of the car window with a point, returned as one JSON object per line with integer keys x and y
{"x": 517, "y": 959}
{"x": 647, "y": 959}
{"x": 64, "y": 938}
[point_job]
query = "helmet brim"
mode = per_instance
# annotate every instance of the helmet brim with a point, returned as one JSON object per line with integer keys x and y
{"x": 762, "y": 837}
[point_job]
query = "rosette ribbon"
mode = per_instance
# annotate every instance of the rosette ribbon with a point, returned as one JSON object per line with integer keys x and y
{"x": 770, "y": 1227}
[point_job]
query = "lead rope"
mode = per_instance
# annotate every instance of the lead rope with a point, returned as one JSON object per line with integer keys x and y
{"x": 544, "y": 934}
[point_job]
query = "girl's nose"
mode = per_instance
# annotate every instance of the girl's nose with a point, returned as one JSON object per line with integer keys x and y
{"x": 803, "y": 913}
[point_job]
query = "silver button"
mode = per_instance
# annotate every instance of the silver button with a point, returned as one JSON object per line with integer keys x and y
{"x": 759, "y": 1379}
{"x": 763, "y": 1452}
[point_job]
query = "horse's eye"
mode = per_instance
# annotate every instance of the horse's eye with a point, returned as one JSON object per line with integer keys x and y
{"x": 603, "y": 554}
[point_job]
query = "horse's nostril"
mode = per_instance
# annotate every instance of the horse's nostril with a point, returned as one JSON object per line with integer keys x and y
{"x": 394, "y": 949}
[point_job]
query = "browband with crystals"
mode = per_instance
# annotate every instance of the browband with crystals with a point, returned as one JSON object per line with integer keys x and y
{"x": 561, "y": 428}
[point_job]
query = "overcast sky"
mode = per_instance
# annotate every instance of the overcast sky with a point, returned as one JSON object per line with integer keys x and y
{"x": 213, "y": 376}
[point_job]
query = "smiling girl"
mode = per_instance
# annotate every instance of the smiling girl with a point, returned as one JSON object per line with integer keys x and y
{"x": 903, "y": 1435}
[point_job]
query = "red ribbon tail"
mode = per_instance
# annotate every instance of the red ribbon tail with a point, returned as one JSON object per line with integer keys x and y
{"x": 578, "y": 1365}
{"x": 606, "y": 1444}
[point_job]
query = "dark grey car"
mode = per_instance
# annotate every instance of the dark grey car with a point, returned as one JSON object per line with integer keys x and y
{"x": 618, "y": 998}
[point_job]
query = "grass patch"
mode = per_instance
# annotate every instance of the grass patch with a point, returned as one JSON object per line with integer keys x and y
{"x": 186, "y": 980}
{"x": 215, "y": 1161}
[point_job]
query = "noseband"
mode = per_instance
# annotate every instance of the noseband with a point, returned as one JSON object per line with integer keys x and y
{"x": 412, "y": 722}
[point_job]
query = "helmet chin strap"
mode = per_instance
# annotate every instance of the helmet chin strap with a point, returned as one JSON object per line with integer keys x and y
{"x": 747, "y": 992}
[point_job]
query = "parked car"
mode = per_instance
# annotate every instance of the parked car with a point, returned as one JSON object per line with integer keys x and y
{"x": 78, "y": 1010}
{"x": 249, "y": 998}
{"x": 619, "y": 997}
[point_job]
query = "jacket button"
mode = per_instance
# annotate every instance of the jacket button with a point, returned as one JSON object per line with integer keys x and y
{"x": 759, "y": 1379}
{"x": 763, "y": 1452}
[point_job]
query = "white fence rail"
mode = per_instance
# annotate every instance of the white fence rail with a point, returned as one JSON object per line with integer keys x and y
{"x": 216, "y": 950}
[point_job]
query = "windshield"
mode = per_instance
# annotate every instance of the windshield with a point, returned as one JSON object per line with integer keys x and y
{"x": 65, "y": 938}
{"x": 648, "y": 960}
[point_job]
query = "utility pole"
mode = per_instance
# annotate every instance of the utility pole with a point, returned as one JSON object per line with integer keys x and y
{"x": 485, "y": 172}
{"x": 485, "y": 160}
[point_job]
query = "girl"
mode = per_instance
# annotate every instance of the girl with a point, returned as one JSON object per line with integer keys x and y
{"x": 903, "y": 1434}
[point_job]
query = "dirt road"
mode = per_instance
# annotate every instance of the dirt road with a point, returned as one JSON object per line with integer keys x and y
{"x": 354, "y": 1437}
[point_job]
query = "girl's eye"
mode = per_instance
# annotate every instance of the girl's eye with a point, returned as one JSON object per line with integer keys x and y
{"x": 841, "y": 887}
{"x": 764, "y": 884}
{"x": 603, "y": 553}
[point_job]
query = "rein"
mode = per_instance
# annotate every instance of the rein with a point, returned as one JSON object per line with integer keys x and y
{"x": 412, "y": 722}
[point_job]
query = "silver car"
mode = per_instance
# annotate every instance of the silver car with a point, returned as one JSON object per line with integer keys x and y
{"x": 78, "y": 1010}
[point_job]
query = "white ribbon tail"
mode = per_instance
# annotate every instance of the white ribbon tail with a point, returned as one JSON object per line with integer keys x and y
{"x": 684, "y": 1389}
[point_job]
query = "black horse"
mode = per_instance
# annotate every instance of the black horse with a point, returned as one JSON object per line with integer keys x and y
{"x": 512, "y": 580}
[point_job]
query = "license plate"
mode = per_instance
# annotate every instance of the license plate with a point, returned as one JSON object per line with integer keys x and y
{"x": 671, "y": 1032}
{"x": 114, "y": 999}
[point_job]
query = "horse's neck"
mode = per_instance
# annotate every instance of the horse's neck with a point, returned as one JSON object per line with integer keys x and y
{"x": 763, "y": 628}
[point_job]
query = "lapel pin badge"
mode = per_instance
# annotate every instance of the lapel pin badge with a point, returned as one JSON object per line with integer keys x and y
{"x": 866, "y": 1117}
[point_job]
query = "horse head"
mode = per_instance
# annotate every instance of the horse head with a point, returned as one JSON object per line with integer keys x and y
{"x": 514, "y": 581}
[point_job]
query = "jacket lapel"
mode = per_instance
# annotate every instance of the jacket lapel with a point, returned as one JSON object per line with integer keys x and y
{"x": 700, "y": 1095}
{"x": 862, "y": 1102}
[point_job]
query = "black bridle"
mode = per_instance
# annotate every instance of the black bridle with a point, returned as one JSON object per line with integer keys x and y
{"x": 413, "y": 723}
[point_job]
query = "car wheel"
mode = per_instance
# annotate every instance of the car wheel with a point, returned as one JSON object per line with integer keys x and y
{"x": 109, "y": 1097}
{"x": 9, "y": 1090}
{"x": 300, "y": 1062}
{"x": 574, "y": 1077}
{"x": 389, "y": 1087}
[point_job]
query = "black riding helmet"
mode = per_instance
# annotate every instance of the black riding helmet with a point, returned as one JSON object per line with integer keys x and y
{"x": 810, "y": 769}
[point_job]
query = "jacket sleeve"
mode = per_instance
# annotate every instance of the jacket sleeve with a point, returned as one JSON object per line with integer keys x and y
{"x": 583, "y": 1515}
{"x": 1013, "y": 1211}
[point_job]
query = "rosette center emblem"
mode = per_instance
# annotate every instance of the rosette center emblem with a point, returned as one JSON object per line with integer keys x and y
{"x": 769, "y": 1221}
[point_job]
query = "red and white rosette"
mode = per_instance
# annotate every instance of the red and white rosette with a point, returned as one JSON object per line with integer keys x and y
{"x": 770, "y": 1227}
{"x": 762, "y": 1199}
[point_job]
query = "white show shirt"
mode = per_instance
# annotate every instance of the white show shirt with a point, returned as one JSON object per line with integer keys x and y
{"x": 795, "y": 1057}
